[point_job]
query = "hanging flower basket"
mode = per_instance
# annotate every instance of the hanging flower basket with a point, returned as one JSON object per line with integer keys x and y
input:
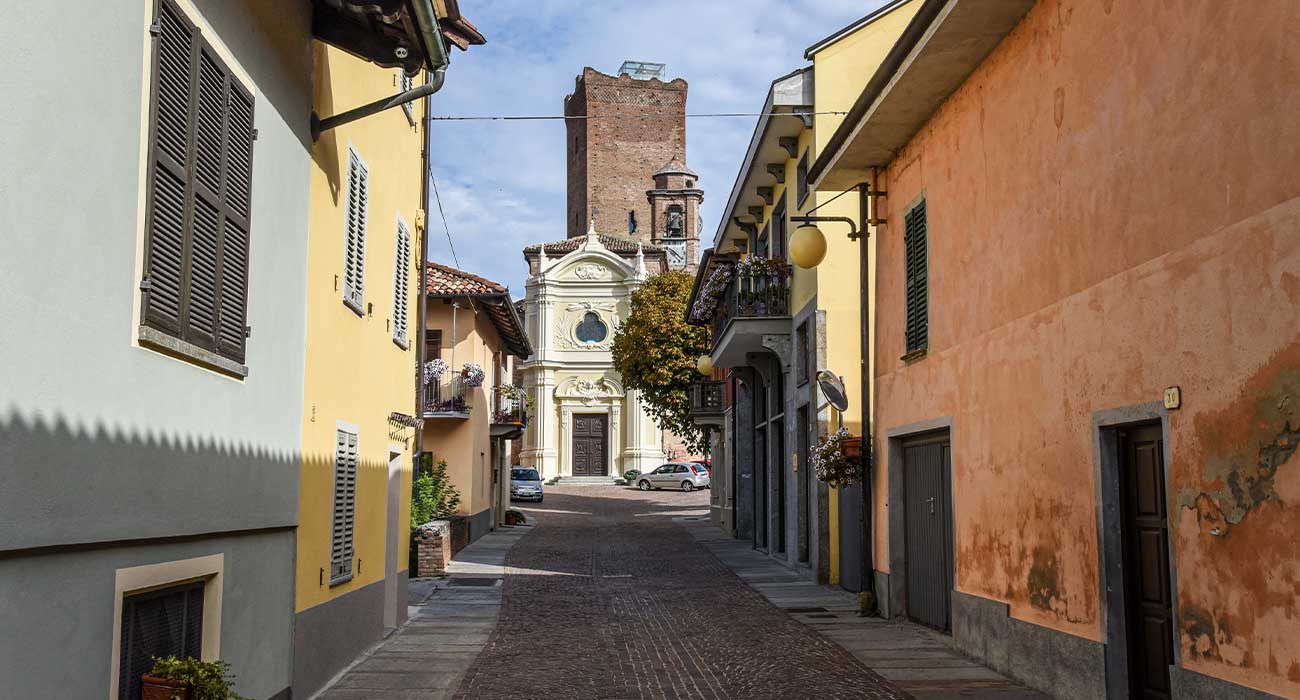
{"x": 472, "y": 372}
{"x": 433, "y": 370}
{"x": 837, "y": 459}
{"x": 714, "y": 286}
{"x": 759, "y": 265}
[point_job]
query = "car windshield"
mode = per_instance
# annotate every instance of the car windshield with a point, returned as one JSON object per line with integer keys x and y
{"x": 525, "y": 475}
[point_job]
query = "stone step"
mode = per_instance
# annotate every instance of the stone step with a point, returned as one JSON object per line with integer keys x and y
{"x": 587, "y": 480}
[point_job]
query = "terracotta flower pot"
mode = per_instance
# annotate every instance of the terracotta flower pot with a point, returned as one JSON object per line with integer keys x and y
{"x": 155, "y": 688}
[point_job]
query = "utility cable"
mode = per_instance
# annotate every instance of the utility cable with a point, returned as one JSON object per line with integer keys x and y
{"x": 438, "y": 198}
{"x": 546, "y": 117}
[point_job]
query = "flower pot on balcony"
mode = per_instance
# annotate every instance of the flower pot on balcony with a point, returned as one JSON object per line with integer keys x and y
{"x": 155, "y": 688}
{"x": 853, "y": 448}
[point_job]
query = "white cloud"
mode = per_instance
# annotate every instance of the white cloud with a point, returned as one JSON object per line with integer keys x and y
{"x": 503, "y": 183}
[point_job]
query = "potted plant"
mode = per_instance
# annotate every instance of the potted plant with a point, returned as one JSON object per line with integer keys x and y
{"x": 473, "y": 374}
{"x": 835, "y": 461}
{"x": 434, "y": 369}
{"x": 188, "y": 679}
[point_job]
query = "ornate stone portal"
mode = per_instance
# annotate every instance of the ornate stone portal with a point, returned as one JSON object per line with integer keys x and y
{"x": 575, "y": 301}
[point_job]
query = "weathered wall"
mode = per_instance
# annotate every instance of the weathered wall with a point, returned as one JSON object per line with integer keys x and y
{"x": 610, "y": 160}
{"x": 1097, "y": 235}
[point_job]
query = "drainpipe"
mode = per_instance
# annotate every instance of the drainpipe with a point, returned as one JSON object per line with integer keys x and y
{"x": 868, "y": 543}
{"x": 428, "y": 23}
{"x": 435, "y": 49}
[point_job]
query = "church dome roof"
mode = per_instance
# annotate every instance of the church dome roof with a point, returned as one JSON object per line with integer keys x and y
{"x": 676, "y": 166}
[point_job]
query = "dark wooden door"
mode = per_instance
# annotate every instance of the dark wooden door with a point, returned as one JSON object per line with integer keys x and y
{"x": 590, "y": 438}
{"x": 928, "y": 532}
{"x": 1148, "y": 601}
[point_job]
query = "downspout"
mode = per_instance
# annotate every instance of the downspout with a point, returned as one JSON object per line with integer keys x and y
{"x": 435, "y": 50}
{"x": 868, "y": 603}
{"x": 428, "y": 23}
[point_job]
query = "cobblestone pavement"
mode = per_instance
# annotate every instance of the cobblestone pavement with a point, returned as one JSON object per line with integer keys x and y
{"x": 607, "y": 598}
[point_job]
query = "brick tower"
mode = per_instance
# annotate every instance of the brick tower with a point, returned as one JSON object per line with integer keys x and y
{"x": 612, "y": 158}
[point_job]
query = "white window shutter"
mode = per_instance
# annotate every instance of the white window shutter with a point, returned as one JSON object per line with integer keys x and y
{"x": 405, "y": 82}
{"x": 401, "y": 283}
{"x": 354, "y": 253}
{"x": 345, "y": 507}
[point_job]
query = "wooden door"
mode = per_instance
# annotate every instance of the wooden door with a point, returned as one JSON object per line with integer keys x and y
{"x": 1148, "y": 602}
{"x": 590, "y": 438}
{"x": 928, "y": 532}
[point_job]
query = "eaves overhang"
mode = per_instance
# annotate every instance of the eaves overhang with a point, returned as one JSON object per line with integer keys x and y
{"x": 789, "y": 100}
{"x": 406, "y": 34}
{"x": 943, "y": 44}
{"x": 852, "y": 27}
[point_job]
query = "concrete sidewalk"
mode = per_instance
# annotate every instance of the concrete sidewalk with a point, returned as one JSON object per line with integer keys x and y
{"x": 451, "y": 619}
{"x": 916, "y": 659}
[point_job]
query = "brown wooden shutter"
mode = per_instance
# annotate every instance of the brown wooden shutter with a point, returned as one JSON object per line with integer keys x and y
{"x": 197, "y": 222}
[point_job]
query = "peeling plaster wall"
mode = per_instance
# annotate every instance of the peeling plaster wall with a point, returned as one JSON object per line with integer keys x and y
{"x": 1114, "y": 211}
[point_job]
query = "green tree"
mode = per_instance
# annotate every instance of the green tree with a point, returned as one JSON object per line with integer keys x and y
{"x": 655, "y": 350}
{"x": 432, "y": 495}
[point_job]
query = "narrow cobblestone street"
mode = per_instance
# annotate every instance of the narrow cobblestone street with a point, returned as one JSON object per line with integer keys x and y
{"x": 608, "y": 598}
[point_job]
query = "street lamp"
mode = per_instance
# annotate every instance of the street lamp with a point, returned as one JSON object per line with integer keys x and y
{"x": 808, "y": 243}
{"x": 704, "y": 365}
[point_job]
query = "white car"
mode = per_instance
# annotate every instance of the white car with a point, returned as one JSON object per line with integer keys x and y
{"x": 686, "y": 476}
{"x": 525, "y": 484}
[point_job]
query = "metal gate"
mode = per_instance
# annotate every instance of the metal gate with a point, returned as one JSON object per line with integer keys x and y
{"x": 927, "y": 503}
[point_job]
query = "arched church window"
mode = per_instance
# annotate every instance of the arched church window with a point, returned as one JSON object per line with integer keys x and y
{"x": 592, "y": 329}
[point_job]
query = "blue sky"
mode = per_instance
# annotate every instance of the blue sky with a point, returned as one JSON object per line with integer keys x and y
{"x": 503, "y": 183}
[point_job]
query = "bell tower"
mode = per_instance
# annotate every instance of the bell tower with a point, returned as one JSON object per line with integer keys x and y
{"x": 675, "y": 213}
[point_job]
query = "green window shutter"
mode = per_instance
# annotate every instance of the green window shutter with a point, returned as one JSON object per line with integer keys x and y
{"x": 354, "y": 223}
{"x": 345, "y": 507}
{"x": 197, "y": 220}
{"x": 401, "y": 283}
{"x": 916, "y": 250}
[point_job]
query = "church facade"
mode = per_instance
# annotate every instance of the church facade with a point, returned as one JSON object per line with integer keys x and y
{"x": 630, "y": 186}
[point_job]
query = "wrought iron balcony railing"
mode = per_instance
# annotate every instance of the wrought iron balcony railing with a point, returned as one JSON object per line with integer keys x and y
{"x": 708, "y": 398}
{"x": 752, "y": 294}
{"x": 509, "y": 408}
{"x": 446, "y": 398}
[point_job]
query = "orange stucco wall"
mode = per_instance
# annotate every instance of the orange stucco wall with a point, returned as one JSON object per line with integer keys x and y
{"x": 1113, "y": 209}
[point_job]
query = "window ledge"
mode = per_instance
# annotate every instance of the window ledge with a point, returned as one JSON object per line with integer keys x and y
{"x": 915, "y": 355}
{"x": 403, "y": 344}
{"x": 356, "y": 308}
{"x": 157, "y": 340}
{"x": 340, "y": 580}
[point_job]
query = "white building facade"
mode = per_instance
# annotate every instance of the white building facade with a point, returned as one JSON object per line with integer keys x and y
{"x": 586, "y": 423}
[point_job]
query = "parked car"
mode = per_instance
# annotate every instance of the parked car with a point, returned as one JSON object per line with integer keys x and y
{"x": 707, "y": 464}
{"x": 686, "y": 476}
{"x": 525, "y": 484}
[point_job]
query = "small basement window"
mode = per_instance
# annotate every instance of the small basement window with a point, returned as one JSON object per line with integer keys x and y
{"x": 166, "y": 622}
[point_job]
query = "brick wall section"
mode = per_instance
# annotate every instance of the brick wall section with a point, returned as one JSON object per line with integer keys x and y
{"x": 433, "y": 549}
{"x": 610, "y": 160}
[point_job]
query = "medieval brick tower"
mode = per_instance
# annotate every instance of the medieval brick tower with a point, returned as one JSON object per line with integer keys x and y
{"x": 626, "y": 160}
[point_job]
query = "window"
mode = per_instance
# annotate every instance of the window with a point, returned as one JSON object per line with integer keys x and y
{"x": 631, "y": 221}
{"x": 801, "y": 190}
{"x": 592, "y": 329}
{"x": 764, "y": 238}
{"x": 354, "y": 233}
{"x": 915, "y": 246}
{"x": 404, "y": 83}
{"x": 165, "y": 622}
{"x": 401, "y": 284}
{"x": 778, "y": 229}
{"x": 803, "y": 368}
{"x": 345, "y": 506}
{"x": 199, "y": 194}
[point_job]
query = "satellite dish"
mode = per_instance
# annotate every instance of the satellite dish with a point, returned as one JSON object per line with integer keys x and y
{"x": 833, "y": 390}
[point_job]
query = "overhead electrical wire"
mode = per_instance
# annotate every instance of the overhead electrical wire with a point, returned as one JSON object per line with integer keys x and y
{"x": 555, "y": 117}
{"x": 438, "y": 198}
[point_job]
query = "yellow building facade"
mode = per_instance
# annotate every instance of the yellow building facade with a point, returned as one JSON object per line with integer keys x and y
{"x": 362, "y": 290}
{"x": 786, "y": 512}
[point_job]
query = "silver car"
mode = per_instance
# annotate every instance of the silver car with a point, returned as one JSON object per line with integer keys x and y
{"x": 686, "y": 476}
{"x": 525, "y": 484}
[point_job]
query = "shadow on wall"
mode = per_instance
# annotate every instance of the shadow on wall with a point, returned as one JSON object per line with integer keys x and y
{"x": 68, "y": 483}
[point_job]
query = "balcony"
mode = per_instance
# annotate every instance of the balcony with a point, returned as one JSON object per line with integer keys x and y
{"x": 509, "y": 412}
{"x": 446, "y": 398}
{"x": 708, "y": 402}
{"x": 755, "y": 303}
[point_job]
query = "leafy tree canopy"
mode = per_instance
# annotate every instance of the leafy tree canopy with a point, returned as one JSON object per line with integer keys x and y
{"x": 655, "y": 351}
